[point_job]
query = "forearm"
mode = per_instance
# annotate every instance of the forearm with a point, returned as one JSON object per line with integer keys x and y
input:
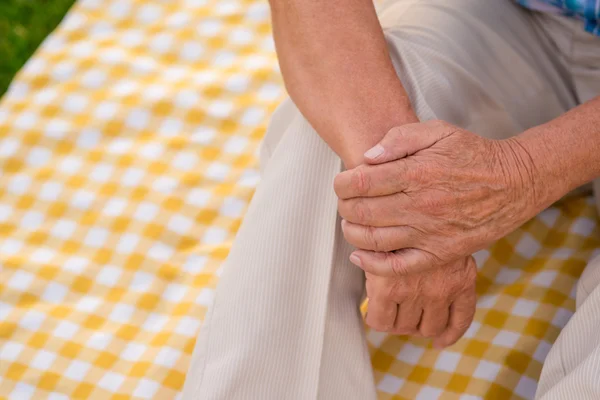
{"x": 564, "y": 153}
{"x": 337, "y": 69}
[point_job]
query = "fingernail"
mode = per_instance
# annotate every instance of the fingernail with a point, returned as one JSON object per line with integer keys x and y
{"x": 374, "y": 152}
{"x": 344, "y": 224}
{"x": 355, "y": 260}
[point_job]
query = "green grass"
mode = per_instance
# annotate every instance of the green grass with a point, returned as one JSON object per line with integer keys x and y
{"x": 24, "y": 24}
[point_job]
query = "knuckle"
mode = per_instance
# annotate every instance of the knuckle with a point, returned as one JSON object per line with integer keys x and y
{"x": 434, "y": 260}
{"x": 395, "y": 135}
{"x": 360, "y": 181}
{"x": 360, "y": 211}
{"x": 416, "y": 175}
{"x": 459, "y": 248}
{"x": 396, "y": 130}
{"x": 396, "y": 264}
{"x": 405, "y": 169}
{"x": 372, "y": 237}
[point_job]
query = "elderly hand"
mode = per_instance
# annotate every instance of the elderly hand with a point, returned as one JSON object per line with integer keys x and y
{"x": 432, "y": 193}
{"x": 437, "y": 304}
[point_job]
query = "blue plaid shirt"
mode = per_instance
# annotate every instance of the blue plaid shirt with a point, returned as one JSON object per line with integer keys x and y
{"x": 587, "y": 10}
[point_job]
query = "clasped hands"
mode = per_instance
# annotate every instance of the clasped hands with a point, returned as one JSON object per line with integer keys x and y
{"x": 427, "y": 197}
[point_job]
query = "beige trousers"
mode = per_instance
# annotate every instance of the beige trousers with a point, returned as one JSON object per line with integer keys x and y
{"x": 285, "y": 322}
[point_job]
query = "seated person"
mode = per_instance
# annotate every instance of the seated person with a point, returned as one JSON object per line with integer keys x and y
{"x": 414, "y": 137}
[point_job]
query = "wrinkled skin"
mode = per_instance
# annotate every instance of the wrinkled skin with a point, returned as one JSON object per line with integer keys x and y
{"x": 427, "y": 197}
{"x": 437, "y": 304}
{"x": 436, "y": 194}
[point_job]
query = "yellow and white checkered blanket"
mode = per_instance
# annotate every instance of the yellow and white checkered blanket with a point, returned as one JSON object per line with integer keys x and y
{"x": 127, "y": 158}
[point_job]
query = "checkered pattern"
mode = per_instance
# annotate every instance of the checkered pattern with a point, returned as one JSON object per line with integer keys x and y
{"x": 526, "y": 295}
{"x": 127, "y": 159}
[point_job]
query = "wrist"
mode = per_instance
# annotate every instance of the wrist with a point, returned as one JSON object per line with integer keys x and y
{"x": 539, "y": 173}
{"x": 364, "y": 133}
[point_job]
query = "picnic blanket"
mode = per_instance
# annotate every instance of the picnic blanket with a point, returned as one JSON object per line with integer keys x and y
{"x": 127, "y": 159}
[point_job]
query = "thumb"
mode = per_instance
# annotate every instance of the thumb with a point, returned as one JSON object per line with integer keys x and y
{"x": 393, "y": 264}
{"x": 406, "y": 140}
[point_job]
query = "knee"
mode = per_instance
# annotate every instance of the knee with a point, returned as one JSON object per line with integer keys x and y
{"x": 429, "y": 46}
{"x": 439, "y": 50}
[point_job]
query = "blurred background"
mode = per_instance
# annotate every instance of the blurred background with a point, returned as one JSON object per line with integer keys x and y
{"x": 128, "y": 156}
{"x": 23, "y": 26}
{"x": 128, "y": 138}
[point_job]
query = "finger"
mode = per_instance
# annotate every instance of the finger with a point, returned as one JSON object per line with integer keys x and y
{"x": 379, "y": 239}
{"x": 405, "y": 140}
{"x": 394, "y": 264}
{"x": 390, "y": 210}
{"x": 381, "y": 314}
{"x": 408, "y": 319}
{"x": 375, "y": 180}
{"x": 462, "y": 312}
{"x": 435, "y": 319}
